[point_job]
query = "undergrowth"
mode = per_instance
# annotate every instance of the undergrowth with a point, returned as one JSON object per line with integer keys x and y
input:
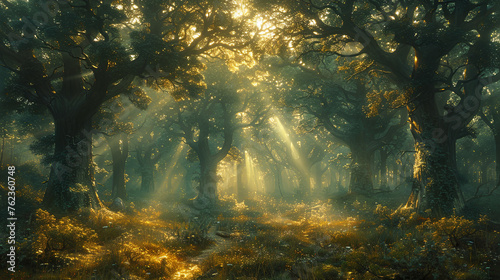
{"x": 260, "y": 238}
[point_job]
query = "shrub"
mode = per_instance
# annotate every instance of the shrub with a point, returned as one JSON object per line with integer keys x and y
{"x": 455, "y": 229}
{"x": 60, "y": 234}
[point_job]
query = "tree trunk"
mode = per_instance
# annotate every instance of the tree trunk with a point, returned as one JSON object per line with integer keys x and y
{"x": 317, "y": 174}
{"x": 147, "y": 175}
{"x": 435, "y": 185}
{"x": 435, "y": 180}
{"x": 170, "y": 188}
{"x": 383, "y": 169}
{"x": 71, "y": 183}
{"x": 484, "y": 173}
{"x": 304, "y": 183}
{"x": 12, "y": 150}
{"x": 361, "y": 171}
{"x": 147, "y": 160}
{"x": 119, "y": 153}
{"x": 241, "y": 188}
{"x": 340, "y": 186}
{"x": 119, "y": 189}
{"x": 207, "y": 189}
{"x": 497, "y": 154}
{"x": 278, "y": 185}
{"x": 496, "y": 135}
{"x": 188, "y": 184}
{"x": 2, "y": 152}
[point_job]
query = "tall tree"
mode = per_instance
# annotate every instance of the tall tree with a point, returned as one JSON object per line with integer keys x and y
{"x": 344, "y": 112}
{"x": 208, "y": 123}
{"x": 117, "y": 128}
{"x": 428, "y": 48}
{"x": 81, "y": 53}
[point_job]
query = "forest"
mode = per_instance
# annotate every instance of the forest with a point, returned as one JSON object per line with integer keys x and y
{"x": 250, "y": 139}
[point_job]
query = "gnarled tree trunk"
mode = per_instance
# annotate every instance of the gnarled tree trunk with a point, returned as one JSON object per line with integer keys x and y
{"x": 71, "y": 183}
{"x": 435, "y": 185}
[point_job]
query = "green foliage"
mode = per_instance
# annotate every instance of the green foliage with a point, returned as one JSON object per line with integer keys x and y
{"x": 44, "y": 147}
{"x": 455, "y": 229}
{"x": 263, "y": 238}
{"x": 196, "y": 231}
{"x": 50, "y": 237}
{"x": 60, "y": 234}
{"x": 139, "y": 98}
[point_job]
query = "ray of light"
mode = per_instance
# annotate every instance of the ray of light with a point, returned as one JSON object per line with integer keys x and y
{"x": 171, "y": 168}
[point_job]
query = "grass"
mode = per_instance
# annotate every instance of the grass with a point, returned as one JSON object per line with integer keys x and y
{"x": 262, "y": 238}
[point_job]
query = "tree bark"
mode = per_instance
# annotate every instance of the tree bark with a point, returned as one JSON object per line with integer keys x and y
{"x": 339, "y": 177}
{"x": 12, "y": 150}
{"x": 147, "y": 159}
{"x": 278, "y": 184}
{"x": 435, "y": 176}
{"x": 435, "y": 185}
{"x": 147, "y": 178}
{"x": 2, "y": 152}
{"x": 497, "y": 156}
{"x": 207, "y": 189}
{"x": 304, "y": 182}
{"x": 484, "y": 173}
{"x": 188, "y": 189}
{"x": 496, "y": 135}
{"x": 361, "y": 171}
{"x": 383, "y": 169}
{"x": 241, "y": 188}
{"x": 119, "y": 153}
{"x": 71, "y": 182}
{"x": 318, "y": 172}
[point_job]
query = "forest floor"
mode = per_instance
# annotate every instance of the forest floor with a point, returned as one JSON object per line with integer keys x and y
{"x": 349, "y": 237}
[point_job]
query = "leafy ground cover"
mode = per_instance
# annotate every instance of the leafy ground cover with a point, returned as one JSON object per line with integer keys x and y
{"x": 262, "y": 238}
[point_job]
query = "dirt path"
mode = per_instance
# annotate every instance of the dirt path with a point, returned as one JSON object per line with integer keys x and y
{"x": 193, "y": 265}
{"x": 220, "y": 244}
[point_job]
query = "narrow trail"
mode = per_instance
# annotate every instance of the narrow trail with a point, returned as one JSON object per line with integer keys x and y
{"x": 220, "y": 244}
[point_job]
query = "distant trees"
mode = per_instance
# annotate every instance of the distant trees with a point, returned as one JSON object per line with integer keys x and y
{"x": 438, "y": 56}
{"x": 342, "y": 112}
{"x": 148, "y": 153}
{"x": 284, "y": 145}
{"x": 476, "y": 155}
{"x": 119, "y": 146}
{"x": 490, "y": 115}
{"x": 208, "y": 123}
{"x": 343, "y": 109}
{"x": 427, "y": 48}
{"x": 116, "y": 125}
{"x": 82, "y": 53}
{"x": 5, "y": 120}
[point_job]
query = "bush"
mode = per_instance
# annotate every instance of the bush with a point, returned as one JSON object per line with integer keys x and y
{"x": 454, "y": 229}
{"x": 60, "y": 234}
